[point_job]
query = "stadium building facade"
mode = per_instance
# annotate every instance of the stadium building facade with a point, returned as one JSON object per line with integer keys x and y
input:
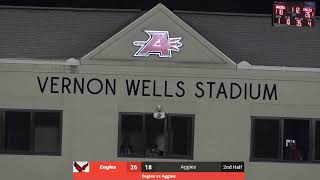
{"x": 109, "y": 85}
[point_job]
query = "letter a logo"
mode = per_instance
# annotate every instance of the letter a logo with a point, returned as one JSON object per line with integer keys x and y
{"x": 159, "y": 43}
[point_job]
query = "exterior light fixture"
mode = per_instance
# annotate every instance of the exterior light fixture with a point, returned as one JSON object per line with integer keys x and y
{"x": 159, "y": 114}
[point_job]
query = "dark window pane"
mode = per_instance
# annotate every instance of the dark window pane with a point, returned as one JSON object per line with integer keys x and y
{"x": 131, "y": 135}
{"x": 17, "y": 131}
{"x": 2, "y": 128}
{"x": 180, "y": 135}
{"x": 317, "y": 141}
{"x": 296, "y": 140}
{"x": 47, "y": 132}
{"x": 47, "y": 119}
{"x": 155, "y": 136}
{"x": 266, "y": 138}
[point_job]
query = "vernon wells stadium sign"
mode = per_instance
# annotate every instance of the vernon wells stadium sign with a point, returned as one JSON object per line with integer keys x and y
{"x": 214, "y": 89}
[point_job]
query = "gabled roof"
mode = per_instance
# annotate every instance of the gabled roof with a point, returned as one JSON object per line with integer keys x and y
{"x": 195, "y": 49}
{"x": 55, "y": 33}
{"x": 49, "y": 33}
{"x": 252, "y": 38}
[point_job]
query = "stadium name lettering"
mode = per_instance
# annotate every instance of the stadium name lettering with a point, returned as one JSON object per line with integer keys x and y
{"x": 159, "y": 88}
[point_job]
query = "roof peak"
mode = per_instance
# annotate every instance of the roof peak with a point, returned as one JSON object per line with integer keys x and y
{"x": 157, "y": 23}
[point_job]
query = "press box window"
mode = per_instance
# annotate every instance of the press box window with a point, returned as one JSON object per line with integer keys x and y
{"x": 47, "y": 132}
{"x": 283, "y": 139}
{"x": 266, "y": 138}
{"x": 131, "y": 135}
{"x": 17, "y": 132}
{"x": 30, "y": 132}
{"x": 317, "y": 140}
{"x": 296, "y": 140}
{"x": 180, "y": 135}
{"x": 141, "y": 135}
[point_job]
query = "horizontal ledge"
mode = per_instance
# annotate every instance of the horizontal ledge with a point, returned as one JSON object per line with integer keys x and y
{"x": 69, "y": 62}
{"x": 277, "y": 68}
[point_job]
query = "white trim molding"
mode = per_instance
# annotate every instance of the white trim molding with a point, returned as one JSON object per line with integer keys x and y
{"x": 68, "y": 62}
{"x": 248, "y": 66}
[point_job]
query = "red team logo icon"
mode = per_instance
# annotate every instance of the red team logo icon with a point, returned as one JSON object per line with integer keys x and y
{"x": 159, "y": 43}
{"x": 80, "y": 166}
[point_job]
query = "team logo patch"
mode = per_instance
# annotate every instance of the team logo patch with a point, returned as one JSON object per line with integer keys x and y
{"x": 159, "y": 43}
{"x": 80, "y": 166}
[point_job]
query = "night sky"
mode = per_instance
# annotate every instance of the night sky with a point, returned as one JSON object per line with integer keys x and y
{"x": 240, "y": 6}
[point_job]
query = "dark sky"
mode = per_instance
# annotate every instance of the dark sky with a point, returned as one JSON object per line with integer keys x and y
{"x": 242, "y": 6}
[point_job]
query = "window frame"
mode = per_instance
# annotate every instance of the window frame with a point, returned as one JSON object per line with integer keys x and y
{"x": 166, "y": 156}
{"x": 314, "y": 140}
{"x": 252, "y": 140}
{"x": 32, "y": 132}
{"x": 311, "y": 136}
{"x": 192, "y": 116}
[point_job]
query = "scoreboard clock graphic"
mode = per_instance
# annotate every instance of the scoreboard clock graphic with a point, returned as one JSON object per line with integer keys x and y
{"x": 297, "y": 14}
